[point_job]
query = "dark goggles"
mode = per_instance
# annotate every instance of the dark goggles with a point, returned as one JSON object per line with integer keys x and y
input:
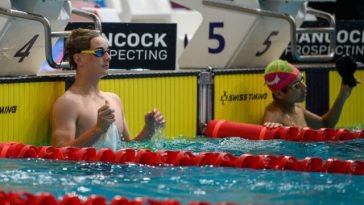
{"x": 296, "y": 84}
{"x": 98, "y": 52}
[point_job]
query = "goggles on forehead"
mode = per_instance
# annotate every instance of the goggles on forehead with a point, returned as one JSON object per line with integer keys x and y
{"x": 98, "y": 52}
{"x": 296, "y": 84}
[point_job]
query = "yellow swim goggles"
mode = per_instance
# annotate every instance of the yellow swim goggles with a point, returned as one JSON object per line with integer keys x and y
{"x": 98, "y": 52}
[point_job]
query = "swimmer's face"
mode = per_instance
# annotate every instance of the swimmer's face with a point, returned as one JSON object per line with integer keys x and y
{"x": 98, "y": 56}
{"x": 297, "y": 90}
{"x": 297, "y": 83}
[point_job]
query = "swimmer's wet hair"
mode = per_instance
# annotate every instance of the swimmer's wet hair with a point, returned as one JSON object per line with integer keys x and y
{"x": 78, "y": 40}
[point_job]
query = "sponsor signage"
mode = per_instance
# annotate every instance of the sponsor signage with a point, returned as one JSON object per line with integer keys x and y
{"x": 8, "y": 109}
{"x": 138, "y": 45}
{"x": 232, "y": 97}
{"x": 349, "y": 41}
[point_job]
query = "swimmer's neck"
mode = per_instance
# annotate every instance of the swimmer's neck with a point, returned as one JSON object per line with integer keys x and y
{"x": 82, "y": 85}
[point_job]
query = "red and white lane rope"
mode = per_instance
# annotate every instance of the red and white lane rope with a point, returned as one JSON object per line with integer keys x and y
{"x": 183, "y": 158}
{"x": 223, "y": 128}
{"x": 25, "y": 198}
{"x": 159, "y": 158}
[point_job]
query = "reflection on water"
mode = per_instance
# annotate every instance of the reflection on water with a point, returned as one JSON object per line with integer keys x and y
{"x": 352, "y": 149}
{"x": 182, "y": 183}
{"x": 196, "y": 183}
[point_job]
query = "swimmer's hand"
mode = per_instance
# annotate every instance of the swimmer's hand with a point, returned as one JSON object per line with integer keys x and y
{"x": 346, "y": 66}
{"x": 272, "y": 124}
{"x": 154, "y": 119}
{"x": 105, "y": 117}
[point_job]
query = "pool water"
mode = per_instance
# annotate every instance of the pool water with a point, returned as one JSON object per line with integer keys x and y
{"x": 187, "y": 184}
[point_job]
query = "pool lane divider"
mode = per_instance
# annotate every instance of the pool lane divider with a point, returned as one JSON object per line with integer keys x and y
{"x": 25, "y": 198}
{"x": 183, "y": 158}
{"x": 223, "y": 129}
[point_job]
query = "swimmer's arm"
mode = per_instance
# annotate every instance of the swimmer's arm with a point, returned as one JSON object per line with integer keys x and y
{"x": 140, "y": 137}
{"x": 125, "y": 132}
{"x": 149, "y": 128}
{"x": 64, "y": 117}
{"x": 145, "y": 133}
{"x": 331, "y": 117}
{"x": 153, "y": 120}
{"x": 314, "y": 121}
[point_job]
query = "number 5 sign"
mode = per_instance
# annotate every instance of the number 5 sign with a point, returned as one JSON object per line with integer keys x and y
{"x": 228, "y": 37}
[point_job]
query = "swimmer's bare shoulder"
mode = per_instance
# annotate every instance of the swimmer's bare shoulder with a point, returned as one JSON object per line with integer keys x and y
{"x": 63, "y": 119}
{"x": 272, "y": 113}
{"x": 112, "y": 96}
{"x": 67, "y": 104}
{"x": 272, "y": 108}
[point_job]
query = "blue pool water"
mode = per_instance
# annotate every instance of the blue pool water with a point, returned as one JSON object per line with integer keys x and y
{"x": 186, "y": 184}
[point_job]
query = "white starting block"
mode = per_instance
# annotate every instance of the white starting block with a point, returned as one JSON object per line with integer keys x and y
{"x": 187, "y": 22}
{"x": 22, "y": 41}
{"x": 114, "y": 4}
{"x": 27, "y": 28}
{"x": 146, "y": 11}
{"x": 241, "y": 33}
{"x": 105, "y": 14}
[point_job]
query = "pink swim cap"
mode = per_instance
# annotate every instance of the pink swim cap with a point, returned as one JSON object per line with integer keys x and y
{"x": 279, "y": 74}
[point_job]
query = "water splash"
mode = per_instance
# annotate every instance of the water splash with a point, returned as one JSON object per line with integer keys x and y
{"x": 158, "y": 137}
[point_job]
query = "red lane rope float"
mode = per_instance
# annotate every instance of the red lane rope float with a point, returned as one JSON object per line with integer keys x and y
{"x": 183, "y": 158}
{"x": 222, "y": 129}
{"x": 25, "y": 198}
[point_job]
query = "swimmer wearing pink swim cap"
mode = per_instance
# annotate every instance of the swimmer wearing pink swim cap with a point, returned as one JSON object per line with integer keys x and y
{"x": 288, "y": 89}
{"x": 279, "y": 74}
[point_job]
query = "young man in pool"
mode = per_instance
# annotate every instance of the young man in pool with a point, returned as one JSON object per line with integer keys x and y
{"x": 288, "y": 88}
{"x": 86, "y": 116}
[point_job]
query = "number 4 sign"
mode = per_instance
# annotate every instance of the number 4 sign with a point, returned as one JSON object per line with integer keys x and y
{"x": 24, "y": 51}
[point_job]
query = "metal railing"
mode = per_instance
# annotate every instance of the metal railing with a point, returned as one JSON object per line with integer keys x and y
{"x": 205, "y": 99}
{"x": 48, "y": 34}
{"x": 294, "y": 31}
